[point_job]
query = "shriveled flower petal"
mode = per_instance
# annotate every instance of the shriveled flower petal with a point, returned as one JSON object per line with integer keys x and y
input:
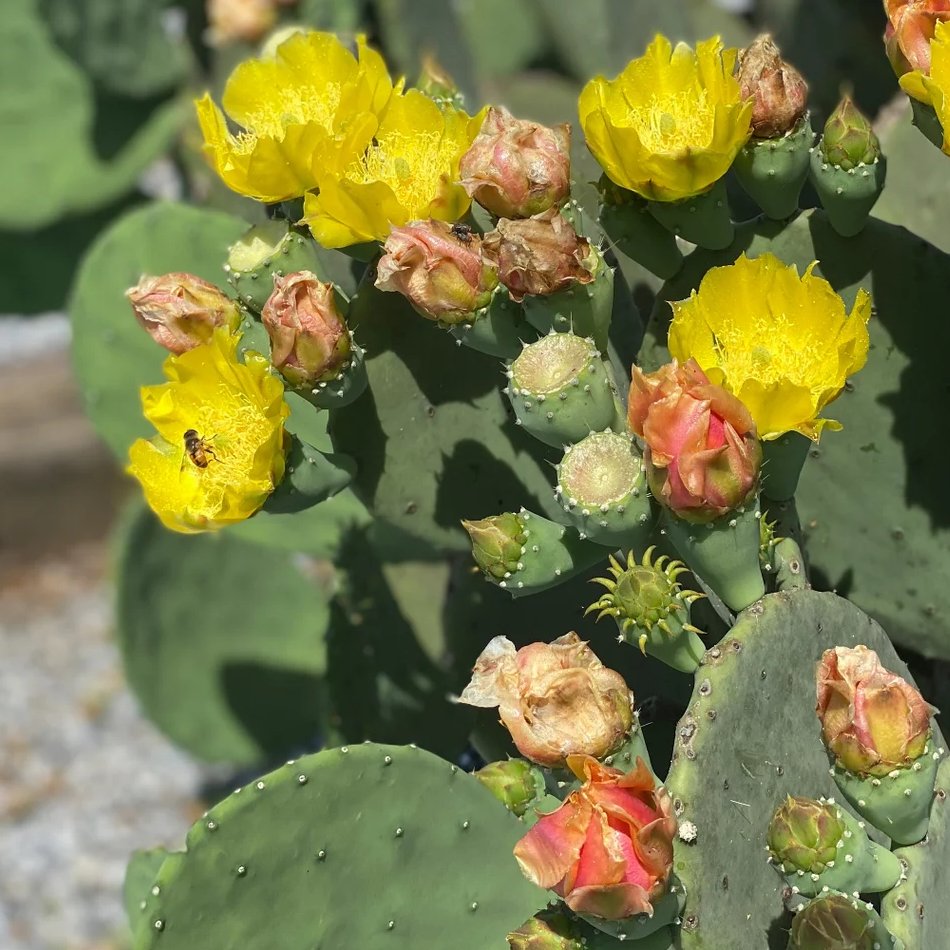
{"x": 670, "y": 125}
{"x": 782, "y": 343}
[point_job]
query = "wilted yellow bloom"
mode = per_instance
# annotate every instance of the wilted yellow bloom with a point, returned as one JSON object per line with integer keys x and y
{"x": 671, "y": 123}
{"x": 306, "y": 111}
{"x": 220, "y": 446}
{"x": 783, "y": 344}
{"x": 934, "y": 89}
{"x": 410, "y": 172}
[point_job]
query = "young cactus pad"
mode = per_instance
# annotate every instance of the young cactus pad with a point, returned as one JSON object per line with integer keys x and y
{"x": 373, "y": 847}
{"x": 749, "y": 738}
{"x": 603, "y": 489}
{"x": 560, "y": 389}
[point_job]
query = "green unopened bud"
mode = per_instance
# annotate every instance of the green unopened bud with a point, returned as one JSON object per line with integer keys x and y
{"x": 848, "y": 139}
{"x": 550, "y": 930}
{"x": 497, "y": 543}
{"x": 804, "y": 834}
{"x": 651, "y": 608}
{"x": 835, "y": 922}
{"x": 514, "y": 782}
{"x": 438, "y": 85}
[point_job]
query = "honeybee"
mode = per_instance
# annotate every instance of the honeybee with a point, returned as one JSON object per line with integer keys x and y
{"x": 462, "y": 232}
{"x": 197, "y": 449}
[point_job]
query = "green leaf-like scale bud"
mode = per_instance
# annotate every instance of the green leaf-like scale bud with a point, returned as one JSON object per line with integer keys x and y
{"x": 804, "y": 834}
{"x": 514, "y": 782}
{"x": 848, "y": 139}
{"x": 834, "y": 922}
{"x": 497, "y": 543}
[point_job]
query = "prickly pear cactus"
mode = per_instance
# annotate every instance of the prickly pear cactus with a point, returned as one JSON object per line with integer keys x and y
{"x": 335, "y": 850}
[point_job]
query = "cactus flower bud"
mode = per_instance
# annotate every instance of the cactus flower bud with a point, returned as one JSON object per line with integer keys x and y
{"x": 516, "y": 168}
{"x": 514, "y": 782}
{"x": 834, "y": 922}
{"x": 232, "y": 21}
{"x": 779, "y": 91}
{"x": 540, "y": 255}
{"x": 438, "y": 268}
{"x": 804, "y": 834}
{"x": 438, "y": 85}
{"x": 497, "y": 543}
{"x": 554, "y": 698}
{"x": 872, "y": 720}
{"x": 180, "y": 311}
{"x": 702, "y": 454}
{"x": 309, "y": 339}
{"x": 608, "y": 850}
{"x": 848, "y": 139}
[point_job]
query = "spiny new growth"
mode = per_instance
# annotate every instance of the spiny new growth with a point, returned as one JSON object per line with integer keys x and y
{"x": 646, "y": 596}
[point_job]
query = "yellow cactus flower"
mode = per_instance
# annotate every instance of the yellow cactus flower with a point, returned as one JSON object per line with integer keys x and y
{"x": 783, "y": 344}
{"x": 669, "y": 126}
{"x": 220, "y": 446}
{"x": 306, "y": 110}
{"x": 409, "y": 173}
{"x": 934, "y": 90}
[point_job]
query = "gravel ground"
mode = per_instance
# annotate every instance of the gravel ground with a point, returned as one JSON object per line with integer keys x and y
{"x": 84, "y": 779}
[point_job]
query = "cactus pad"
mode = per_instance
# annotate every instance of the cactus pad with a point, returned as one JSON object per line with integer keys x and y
{"x": 372, "y": 847}
{"x": 749, "y": 738}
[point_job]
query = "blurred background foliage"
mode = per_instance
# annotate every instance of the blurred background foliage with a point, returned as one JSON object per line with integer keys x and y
{"x": 101, "y": 119}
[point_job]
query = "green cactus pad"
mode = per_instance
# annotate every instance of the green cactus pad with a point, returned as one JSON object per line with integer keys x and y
{"x": 666, "y": 911}
{"x": 432, "y": 436}
{"x": 749, "y": 738}
{"x": 859, "y": 864}
{"x": 500, "y": 329}
{"x": 773, "y": 171}
{"x": 370, "y": 846}
{"x": 346, "y": 388}
{"x": 268, "y": 250}
{"x": 782, "y": 462}
{"x": 602, "y": 487}
{"x": 898, "y": 804}
{"x": 140, "y": 872}
{"x": 310, "y": 477}
{"x": 917, "y": 909}
{"x": 925, "y": 118}
{"x": 583, "y": 309}
{"x": 847, "y": 195}
{"x": 112, "y": 354}
{"x": 887, "y": 546}
{"x": 224, "y": 672}
{"x": 703, "y": 219}
{"x": 724, "y": 552}
{"x": 561, "y": 390}
{"x": 632, "y": 230}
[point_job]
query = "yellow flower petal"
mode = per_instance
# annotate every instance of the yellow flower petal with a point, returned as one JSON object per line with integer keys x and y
{"x": 670, "y": 125}
{"x": 238, "y": 412}
{"x": 409, "y": 172}
{"x": 306, "y": 112}
{"x": 782, "y": 343}
{"x": 937, "y": 85}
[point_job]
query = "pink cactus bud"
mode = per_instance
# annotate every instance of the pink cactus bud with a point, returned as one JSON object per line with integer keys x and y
{"x": 910, "y": 28}
{"x": 780, "y": 92}
{"x": 872, "y": 720}
{"x": 308, "y": 337}
{"x": 515, "y": 168}
{"x": 702, "y": 454}
{"x": 438, "y": 268}
{"x": 608, "y": 850}
{"x": 554, "y": 698}
{"x": 180, "y": 311}
{"x": 540, "y": 255}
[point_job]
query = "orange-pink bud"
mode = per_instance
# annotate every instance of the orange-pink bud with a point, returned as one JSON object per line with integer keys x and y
{"x": 872, "y": 720}
{"x": 540, "y": 255}
{"x": 554, "y": 698}
{"x": 515, "y": 168}
{"x": 308, "y": 337}
{"x": 780, "y": 92}
{"x": 910, "y": 28}
{"x": 608, "y": 850}
{"x": 439, "y": 268}
{"x": 702, "y": 453}
{"x": 180, "y": 311}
